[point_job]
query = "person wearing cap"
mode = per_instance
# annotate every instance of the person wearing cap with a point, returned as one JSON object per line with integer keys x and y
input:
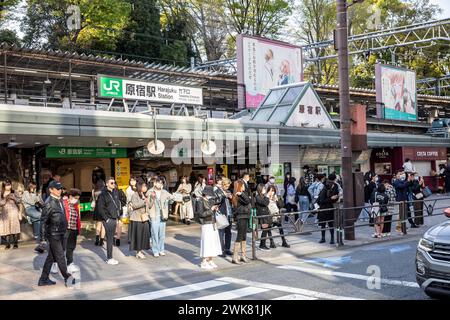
{"x": 210, "y": 241}
{"x": 53, "y": 228}
{"x": 109, "y": 207}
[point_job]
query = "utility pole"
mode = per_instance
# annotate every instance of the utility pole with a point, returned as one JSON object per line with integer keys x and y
{"x": 345, "y": 115}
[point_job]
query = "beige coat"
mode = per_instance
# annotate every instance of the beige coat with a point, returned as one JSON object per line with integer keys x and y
{"x": 140, "y": 209}
{"x": 10, "y": 215}
{"x": 164, "y": 204}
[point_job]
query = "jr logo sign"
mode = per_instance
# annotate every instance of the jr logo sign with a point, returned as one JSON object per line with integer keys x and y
{"x": 111, "y": 87}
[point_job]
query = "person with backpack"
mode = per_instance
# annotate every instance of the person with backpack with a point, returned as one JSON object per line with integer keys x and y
{"x": 379, "y": 201}
{"x": 328, "y": 198}
{"x": 290, "y": 199}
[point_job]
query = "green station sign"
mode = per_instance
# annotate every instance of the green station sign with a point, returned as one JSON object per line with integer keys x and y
{"x": 85, "y": 152}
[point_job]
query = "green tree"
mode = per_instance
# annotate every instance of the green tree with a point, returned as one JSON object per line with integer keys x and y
{"x": 9, "y": 36}
{"x": 102, "y": 21}
{"x": 142, "y": 35}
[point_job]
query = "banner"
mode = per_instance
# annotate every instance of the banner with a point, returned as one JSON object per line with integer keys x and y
{"x": 122, "y": 88}
{"x": 396, "y": 93}
{"x": 122, "y": 172}
{"x": 263, "y": 64}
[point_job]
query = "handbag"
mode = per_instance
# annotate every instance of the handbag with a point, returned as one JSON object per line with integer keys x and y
{"x": 427, "y": 192}
{"x": 186, "y": 198}
{"x": 374, "y": 212}
{"x": 419, "y": 196}
{"x": 221, "y": 221}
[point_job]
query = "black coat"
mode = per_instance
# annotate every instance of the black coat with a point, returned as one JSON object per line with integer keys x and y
{"x": 261, "y": 205}
{"x": 108, "y": 205}
{"x": 205, "y": 214}
{"x": 53, "y": 219}
{"x": 243, "y": 206}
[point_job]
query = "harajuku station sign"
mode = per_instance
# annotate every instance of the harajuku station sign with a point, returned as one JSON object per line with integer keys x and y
{"x": 132, "y": 89}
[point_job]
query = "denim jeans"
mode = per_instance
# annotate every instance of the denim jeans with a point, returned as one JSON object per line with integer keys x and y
{"x": 303, "y": 205}
{"x": 35, "y": 218}
{"x": 225, "y": 237}
{"x": 158, "y": 235}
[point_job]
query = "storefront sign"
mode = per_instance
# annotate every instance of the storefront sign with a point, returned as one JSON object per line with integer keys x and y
{"x": 85, "y": 152}
{"x": 122, "y": 88}
{"x": 122, "y": 172}
{"x": 425, "y": 153}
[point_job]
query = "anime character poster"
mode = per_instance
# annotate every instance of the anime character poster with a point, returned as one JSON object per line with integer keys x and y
{"x": 396, "y": 93}
{"x": 263, "y": 64}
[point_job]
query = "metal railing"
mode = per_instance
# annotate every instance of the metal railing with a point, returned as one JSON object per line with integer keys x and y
{"x": 351, "y": 218}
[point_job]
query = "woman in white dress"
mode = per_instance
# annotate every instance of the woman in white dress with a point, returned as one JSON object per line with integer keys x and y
{"x": 186, "y": 211}
{"x": 210, "y": 246}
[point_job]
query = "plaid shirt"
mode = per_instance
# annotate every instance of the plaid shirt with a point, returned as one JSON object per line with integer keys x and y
{"x": 73, "y": 217}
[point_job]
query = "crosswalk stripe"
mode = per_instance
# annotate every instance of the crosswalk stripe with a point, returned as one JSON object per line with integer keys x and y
{"x": 234, "y": 294}
{"x": 175, "y": 291}
{"x": 315, "y": 294}
{"x": 295, "y": 297}
{"x": 350, "y": 275}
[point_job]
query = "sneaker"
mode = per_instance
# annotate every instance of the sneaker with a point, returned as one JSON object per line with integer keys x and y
{"x": 212, "y": 264}
{"x": 162, "y": 253}
{"x": 71, "y": 268}
{"x": 388, "y": 234}
{"x": 112, "y": 262}
{"x": 54, "y": 268}
{"x": 206, "y": 265}
{"x": 46, "y": 282}
{"x": 70, "y": 281}
{"x": 140, "y": 255}
{"x": 264, "y": 248}
{"x": 156, "y": 255}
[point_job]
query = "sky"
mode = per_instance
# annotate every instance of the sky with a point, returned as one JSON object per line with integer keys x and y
{"x": 445, "y": 6}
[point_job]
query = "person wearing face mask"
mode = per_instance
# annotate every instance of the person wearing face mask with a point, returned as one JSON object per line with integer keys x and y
{"x": 72, "y": 210}
{"x": 262, "y": 202}
{"x": 272, "y": 183}
{"x": 10, "y": 216}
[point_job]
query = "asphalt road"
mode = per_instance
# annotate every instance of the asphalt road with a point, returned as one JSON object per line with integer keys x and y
{"x": 378, "y": 271}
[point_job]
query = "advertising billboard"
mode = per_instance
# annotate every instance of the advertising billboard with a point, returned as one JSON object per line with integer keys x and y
{"x": 263, "y": 64}
{"x": 123, "y": 88}
{"x": 396, "y": 93}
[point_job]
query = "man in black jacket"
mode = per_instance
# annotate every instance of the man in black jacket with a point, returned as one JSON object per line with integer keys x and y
{"x": 108, "y": 204}
{"x": 53, "y": 228}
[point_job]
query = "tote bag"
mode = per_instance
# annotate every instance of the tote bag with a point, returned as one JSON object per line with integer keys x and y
{"x": 221, "y": 221}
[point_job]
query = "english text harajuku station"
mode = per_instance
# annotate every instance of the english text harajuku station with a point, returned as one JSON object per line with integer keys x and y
{"x": 81, "y": 116}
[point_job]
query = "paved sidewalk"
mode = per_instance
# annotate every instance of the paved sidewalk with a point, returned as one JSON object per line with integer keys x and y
{"x": 20, "y": 269}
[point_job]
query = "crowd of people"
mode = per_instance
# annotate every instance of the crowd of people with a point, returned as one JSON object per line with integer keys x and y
{"x": 54, "y": 213}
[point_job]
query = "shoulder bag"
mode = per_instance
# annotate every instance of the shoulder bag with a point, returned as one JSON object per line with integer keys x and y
{"x": 221, "y": 221}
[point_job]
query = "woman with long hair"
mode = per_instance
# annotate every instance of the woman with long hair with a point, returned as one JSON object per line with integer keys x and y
{"x": 276, "y": 219}
{"x": 242, "y": 204}
{"x": 262, "y": 210}
{"x": 304, "y": 199}
{"x": 10, "y": 216}
{"x": 139, "y": 218}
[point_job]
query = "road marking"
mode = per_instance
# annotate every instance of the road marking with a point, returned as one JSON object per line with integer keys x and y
{"x": 234, "y": 294}
{"x": 330, "y": 261}
{"x": 175, "y": 291}
{"x": 350, "y": 275}
{"x": 295, "y": 297}
{"x": 399, "y": 248}
{"x": 315, "y": 294}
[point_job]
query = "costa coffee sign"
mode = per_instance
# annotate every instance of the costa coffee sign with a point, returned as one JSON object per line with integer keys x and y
{"x": 425, "y": 153}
